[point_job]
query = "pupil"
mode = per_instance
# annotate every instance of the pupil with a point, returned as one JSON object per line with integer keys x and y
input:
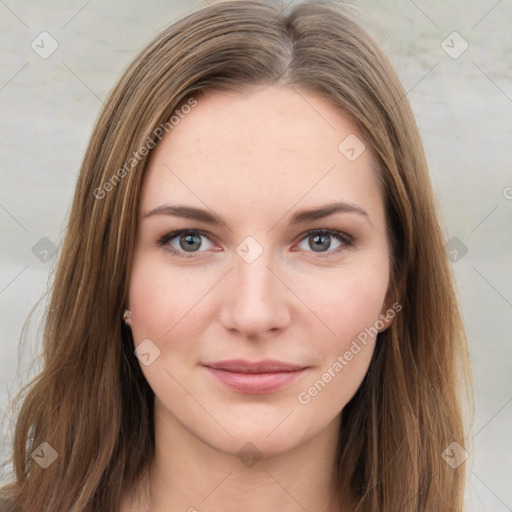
{"x": 189, "y": 241}
{"x": 323, "y": 245}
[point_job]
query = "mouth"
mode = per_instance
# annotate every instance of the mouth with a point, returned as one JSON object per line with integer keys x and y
{"x": 255, "y": 377}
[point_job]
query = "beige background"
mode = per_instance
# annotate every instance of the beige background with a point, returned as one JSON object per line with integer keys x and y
{"x": 463, "y": 106}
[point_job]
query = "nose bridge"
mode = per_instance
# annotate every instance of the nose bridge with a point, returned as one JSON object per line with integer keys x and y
{"x": 257, "y": 298}
{"x": 253, "y": 278}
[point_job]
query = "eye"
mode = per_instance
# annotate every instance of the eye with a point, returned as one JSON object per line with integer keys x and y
{"x": 320, "y": 240}
{"x": 185, "y": 242}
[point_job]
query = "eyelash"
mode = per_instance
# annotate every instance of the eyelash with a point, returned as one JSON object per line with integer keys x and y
{"x": 346, "y": 240}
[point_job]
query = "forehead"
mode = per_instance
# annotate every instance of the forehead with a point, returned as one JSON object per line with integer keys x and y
{"x": 273, "y": 145}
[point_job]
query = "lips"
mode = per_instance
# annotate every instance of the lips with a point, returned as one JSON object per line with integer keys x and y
{"x": 243, "y": 366}
{"x": 255, "y": 377}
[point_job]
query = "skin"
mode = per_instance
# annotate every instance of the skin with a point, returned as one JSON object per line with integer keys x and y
{"x": 254, "y": 160}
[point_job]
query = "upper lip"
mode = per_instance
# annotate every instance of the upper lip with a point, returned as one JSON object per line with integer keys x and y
{"x": 244, "y": 366}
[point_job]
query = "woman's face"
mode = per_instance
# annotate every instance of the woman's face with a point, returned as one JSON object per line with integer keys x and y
{"x": 255, "y": 275}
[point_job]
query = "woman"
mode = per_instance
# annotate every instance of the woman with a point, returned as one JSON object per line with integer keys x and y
{"x": 253, "y": 307}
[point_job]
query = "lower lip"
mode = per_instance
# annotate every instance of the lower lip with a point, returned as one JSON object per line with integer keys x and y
{"x": 256, "y": 383}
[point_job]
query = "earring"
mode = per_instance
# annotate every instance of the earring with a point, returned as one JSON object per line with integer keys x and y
{"x": 126, "y": 315}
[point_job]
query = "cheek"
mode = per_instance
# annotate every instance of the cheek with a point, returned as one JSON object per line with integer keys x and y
{"x": 348, "y": 302}
{"x": 165, "y": 306}
{"x": 167, "y": 303}
{"x": 350, "y": 307}
{"x": 156, "y": 298}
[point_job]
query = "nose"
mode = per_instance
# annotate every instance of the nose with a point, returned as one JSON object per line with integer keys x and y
{"x": 255, "y": 299}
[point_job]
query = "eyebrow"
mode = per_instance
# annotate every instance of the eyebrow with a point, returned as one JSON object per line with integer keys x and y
{"x": 299, "y": 217}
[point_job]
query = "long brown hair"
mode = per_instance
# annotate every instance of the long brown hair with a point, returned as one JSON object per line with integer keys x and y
{"x": 91, "y": 402}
